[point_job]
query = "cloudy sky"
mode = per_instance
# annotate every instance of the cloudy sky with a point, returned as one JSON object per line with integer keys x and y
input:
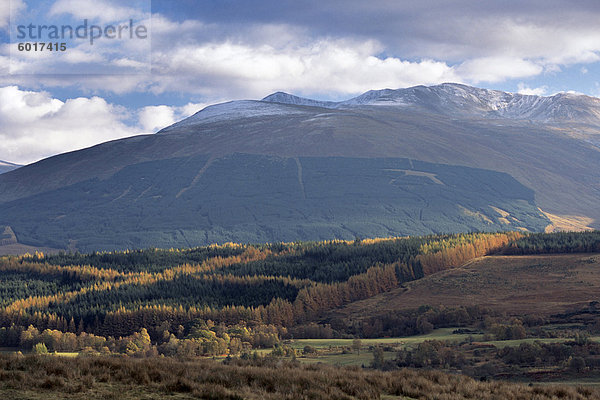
{"x": 207, "y": 51}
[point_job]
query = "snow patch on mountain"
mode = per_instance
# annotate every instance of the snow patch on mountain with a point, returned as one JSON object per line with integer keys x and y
{"x": 237, "y": 110}
{"x": 286, "y": 98}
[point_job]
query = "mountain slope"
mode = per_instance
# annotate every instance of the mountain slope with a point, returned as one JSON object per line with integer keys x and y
{"x": 6, "y": 166}
{"x": 113, "y": 194}
{"x": 252, "y": 198}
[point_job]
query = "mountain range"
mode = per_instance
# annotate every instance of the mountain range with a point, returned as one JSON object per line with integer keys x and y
{"x": 445, "y": 158}
{"x": 456, "y": 100}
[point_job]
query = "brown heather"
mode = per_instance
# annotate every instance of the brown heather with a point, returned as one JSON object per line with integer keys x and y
{"x": 155, "y": 378}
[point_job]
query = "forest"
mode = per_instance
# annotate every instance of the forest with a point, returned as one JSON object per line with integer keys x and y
{"x": 281, "y": 285}
{"x": 233, "y": 300}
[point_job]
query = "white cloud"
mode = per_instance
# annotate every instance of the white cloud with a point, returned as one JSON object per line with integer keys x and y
{"x": 563, "y": 33}
{"x": 163, "y": 27}
{"x": 539, "y": 91}
{"x": 103, "y": 10}
{"x": 255, "y": 59}
{"x": 154, "y": 118}
{"x": 252, "y": 61}
{"x": 496, "y": 69}
{"x": 324, "y": 66}
{"x": 4, "y": 14}
{"x": 190, "y": 109}
{"x": 5, "y": 11}
{"x": 33, "y": 125}
{"x": 250, "y": 67}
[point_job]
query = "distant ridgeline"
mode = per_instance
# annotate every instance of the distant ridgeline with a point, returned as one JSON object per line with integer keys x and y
{"x": 283, "y": 289}
{"x": 244, "y": 198}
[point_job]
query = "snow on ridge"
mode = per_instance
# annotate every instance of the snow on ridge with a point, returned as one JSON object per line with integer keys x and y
{"x": 451, "y": 95}
{"x": 447, "y": 98}
{"x": 457, "y": 98}
{"x": 378, "y": 97}
{"x": 286, "y": 98}
{"x": 236, "y": 110}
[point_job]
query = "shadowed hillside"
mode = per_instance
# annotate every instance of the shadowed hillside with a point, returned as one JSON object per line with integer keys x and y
{"x": 249, "y": 198}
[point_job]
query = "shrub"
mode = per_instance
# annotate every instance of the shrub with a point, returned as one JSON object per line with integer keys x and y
{"x": 40, "y": 348}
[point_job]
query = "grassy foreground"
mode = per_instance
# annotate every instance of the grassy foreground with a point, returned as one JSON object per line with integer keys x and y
{"x": 37, "y": 377}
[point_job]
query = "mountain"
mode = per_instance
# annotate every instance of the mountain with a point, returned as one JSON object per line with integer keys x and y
{"x": 455, "y": 99}
{"x": 411, "y": 161}
{"x": 6, "y": 166}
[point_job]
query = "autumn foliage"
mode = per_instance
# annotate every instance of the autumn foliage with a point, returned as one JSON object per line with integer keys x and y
{"x": 283, "y": 285}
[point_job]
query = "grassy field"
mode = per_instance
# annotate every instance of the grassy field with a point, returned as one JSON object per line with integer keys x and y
{"x": 443, "y": 334}
{"x": 438, "y": 334}
{"x": 345, "y": 360}
{"x": 339, "y": 351}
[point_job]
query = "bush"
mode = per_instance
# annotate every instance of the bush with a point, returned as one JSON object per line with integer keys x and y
{"x": 40, "y": 348}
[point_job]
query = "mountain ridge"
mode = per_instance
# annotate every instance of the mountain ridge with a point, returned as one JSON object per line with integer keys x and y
{"x": 486, "y": 103}
{"x": 447, "y": 98}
